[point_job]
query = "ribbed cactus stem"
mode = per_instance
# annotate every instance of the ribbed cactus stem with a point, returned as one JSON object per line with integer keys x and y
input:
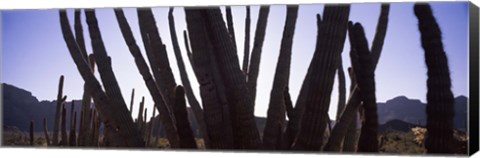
{"x": 341, "y": 89}
{"x": 73, "y": 135}
{"x": 58, "y": 111}
{"x": 246, "y": 134}
{"x": 185, "y": 132}
{"x": 192, "y": 100}
{"x": 231, "y": 30}
{"x": 276, "y": 108}
{"x": 212, "y": 91}
{"x": 364, "y": 74}
{"x": 79, "y": 34}
{"x": 246, "y": 48}
{"x": 254, "y": 67}
{"x": 131, "y": 100}
{"x": 440, "y": 100}
{"x": 140, "y": 114}
{"x": 45, "y": 131}
{"x": 324, "y": 63}
{"x": 32, "y": 131}
{"x": 64, "y": 141}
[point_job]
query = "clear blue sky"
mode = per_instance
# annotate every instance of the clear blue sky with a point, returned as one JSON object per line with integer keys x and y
{"x": 34, "y": 53}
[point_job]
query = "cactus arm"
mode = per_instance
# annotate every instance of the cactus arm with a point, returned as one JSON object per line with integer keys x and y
{"x": 132, "y": 100}
{"x": 324, "y": 63}
{"x": 45, "y": 131}
{"x": 246, "y": 51}
{"x": 192, "y": 100}
{"x": 380, "y": 33}
{"x": 73, "y": 135}
{"x": 180, "y": 109}
{"x": 231, "y": 30}
{"x": 56, "y": 126}
{"x": 277, "y": 107}
{"x": 215, "y": 105}
{"x": 147, "y": 77}
{"x": 112, "y": 117}
{"x": 254, "y": 66}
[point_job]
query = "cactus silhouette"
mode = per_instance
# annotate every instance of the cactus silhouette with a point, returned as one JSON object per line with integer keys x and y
{"x": 194, "y": 104}
{"x": 180, "y": 109}
{"x": 246, "y": 51}
{"x": 440, "y": 101}
{"x": 160, "y": 104}
{"x": 254, "y": 66}
{"x": 114, "y": 117}
{"x": 323, "y": 66}
{"x": 276, "y": 108}
{"x": 45, "y": 131}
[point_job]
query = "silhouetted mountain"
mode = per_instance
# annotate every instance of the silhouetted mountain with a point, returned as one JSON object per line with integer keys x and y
{"x": 20, "y": 107}
{"x": 413, "y": 111}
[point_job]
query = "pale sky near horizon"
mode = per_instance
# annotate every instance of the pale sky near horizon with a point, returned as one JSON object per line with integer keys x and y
{"x": 34, "y": 54}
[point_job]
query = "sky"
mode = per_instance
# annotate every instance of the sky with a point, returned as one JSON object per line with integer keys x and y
{"x": 34, "y": 53}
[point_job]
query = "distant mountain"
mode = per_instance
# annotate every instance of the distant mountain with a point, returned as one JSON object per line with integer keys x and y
{"x": 20, "y": 107}
{"x": 396, "y": 125}
{"x": 413, "y": 111}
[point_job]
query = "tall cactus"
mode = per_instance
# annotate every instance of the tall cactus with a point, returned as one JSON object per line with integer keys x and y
{"x": 246, "y": 48}
{"x": 350, "y": 141}
{"x": 324, "y": 63}
{"x": 185, "y": 132}
{"x": 341, "y": 89}
{"x": 140, "y": 114}
{"x": 147, "y": 77}
{"x": 364, "y": 74}
{"x": 277, "y": 107}
{"x": 58, "y": 115}
{"x": 254, "y": 66}
{"x": 192, "y": 100}
{"x": 113, "y": 116}
{"x": 64, "y": 141}
{"x": 45, "y": 131}
{"x": 440, "y": 101}
{"x": 350, "y": 112}
{"x": 212, "y": 90}
{"x": 73, "y": 135}
{"x": 131, "y": 100}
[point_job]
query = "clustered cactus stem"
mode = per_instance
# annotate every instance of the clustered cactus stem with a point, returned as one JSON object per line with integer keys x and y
{"x": 440, "y": 101}
{"x": 192, "y": 100}
{"x": 60, "y": 100}
{"x": 330, "y": 41}
{"x": 113, "y": 117}
{"x": 246, "y": 51}
{"x": 187, "y": 140}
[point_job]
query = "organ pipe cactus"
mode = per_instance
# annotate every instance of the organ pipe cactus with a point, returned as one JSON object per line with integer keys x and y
{"x": 147, "y": 77}
{"x": 350, "y": 112}
{"x": 113, "y": 116}
{"x": 364, "y": 74}
{"x": 254, "y": 67}
{"x": 246, "y": 134}
{"x": 58, "y": 115}
{"x": 131, "y": 100}
{"x": 73, "y": 135}
{"x": 192, "y": 100}
{"x": 440, "y": 101}
{"x": 212, "y": 90}
{"x": 157, "y": 54}
{"x": 294, "y": 122}
{"x": 180, "y": 110}
{"x": 64, "y": 141}
{"x": 246, "y": 51}
{"x": 231, "y": 30}
{"x": 324, "y": 63}
{"x": 45, "y": 131}
{"x": 276, "y": 107}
